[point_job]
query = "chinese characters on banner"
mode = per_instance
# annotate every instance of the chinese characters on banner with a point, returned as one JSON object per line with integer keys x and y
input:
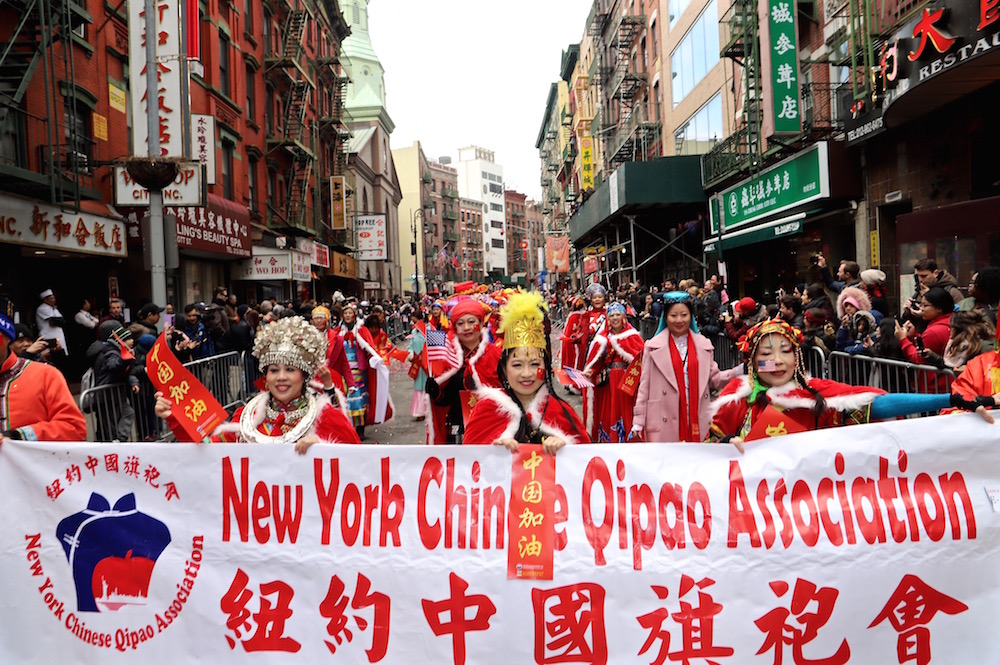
{"x": 372, "y": 238}
{"x": 168, "y": 104}
{"x": 338, "y": 212}
{"x": 782, "y": 47}
{"x": 557, "y": 254}
{"x": 24, "y": 222}
{"x": 194, "y": 408}
{"x": 532, "y": 529}
{"x": 841, "y": 546}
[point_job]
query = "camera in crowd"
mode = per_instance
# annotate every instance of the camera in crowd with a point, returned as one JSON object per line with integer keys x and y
{"x": 814, "y": 258}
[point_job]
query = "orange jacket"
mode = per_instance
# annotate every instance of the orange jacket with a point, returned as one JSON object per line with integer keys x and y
{"x": 36, "y": 403}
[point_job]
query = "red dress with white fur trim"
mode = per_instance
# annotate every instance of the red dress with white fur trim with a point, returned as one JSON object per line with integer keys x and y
{"x": 477, "y": 370}
{"x": 607, "y": 408}
{"x": 497, "y": 416}
{"x": 732, "y": 415}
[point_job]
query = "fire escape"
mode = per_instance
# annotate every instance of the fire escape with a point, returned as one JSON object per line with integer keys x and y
{"x": 740, "y": 153}
{"x": 334, "y": 130}
{"x": 41, "y": 154}
{"x": 630, "y": 127}
{"x": 295, "y": 89}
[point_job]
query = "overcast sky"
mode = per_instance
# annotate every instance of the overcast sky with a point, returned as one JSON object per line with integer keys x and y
{"x": 472, "y": 72}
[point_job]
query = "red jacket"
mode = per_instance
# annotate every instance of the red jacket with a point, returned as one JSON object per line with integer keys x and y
{"x": 497, "y": 416}
{"x": 35, "y": 401}
{"x": 935, "y": 338}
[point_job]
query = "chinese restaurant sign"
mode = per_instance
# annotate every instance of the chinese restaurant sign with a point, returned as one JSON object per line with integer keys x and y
{"x": 338, "y": 212}
{"x": 24, "y": 222}
{"x": 799, "y": 179}
{"x": 372, "y": 238}
{"x": 782, "y": 56}
{"x": 274, "y": 264}
{"x": 169, "y": 104}
{"x": 586, "y": 163}
{"x": 873, "y": 544}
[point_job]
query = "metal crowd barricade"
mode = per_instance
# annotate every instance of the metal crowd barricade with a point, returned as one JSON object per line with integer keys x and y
{"x": 815, "y": 360}
{"x": 726, "y": 354}
{"x": 223, "y": 375}
{"x": 116, "y": 412}
{"x": 895, "y": 376}
{"x": 647, "y": 328}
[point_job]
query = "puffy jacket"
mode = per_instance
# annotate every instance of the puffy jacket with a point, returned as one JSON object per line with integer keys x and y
{"x": 109, "y": 367}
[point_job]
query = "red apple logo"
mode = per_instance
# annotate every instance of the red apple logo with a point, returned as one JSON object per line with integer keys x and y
{"x": 119, "y": 581}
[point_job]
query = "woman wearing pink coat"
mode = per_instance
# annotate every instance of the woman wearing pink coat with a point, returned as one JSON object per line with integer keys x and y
{"x": 678, "y": 370}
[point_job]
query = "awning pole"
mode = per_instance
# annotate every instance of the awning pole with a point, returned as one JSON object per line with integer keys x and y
{"x": 618, "y": 241}
{"x": 631, "y": 233}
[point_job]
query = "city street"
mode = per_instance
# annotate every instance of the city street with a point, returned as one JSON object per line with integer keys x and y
{"x": 404, "y": 429}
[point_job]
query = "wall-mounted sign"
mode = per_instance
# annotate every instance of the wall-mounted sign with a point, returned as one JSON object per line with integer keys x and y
{"x": 187, "y": 189}
{"x": 269, "y": 263}
{"x": 780, "y": 63}
{"x": 338, "y": 219}
{"x": 203, "y": 143}
{"x": 372, "y": 238}
{"x": 25, "y": 222}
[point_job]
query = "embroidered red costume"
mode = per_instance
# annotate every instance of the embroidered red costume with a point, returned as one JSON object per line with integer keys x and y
{"x": 787, "y": 409}
{"x": 476, "y": 370}
{"x": 573, "y": 349}
{"x": 607, "y": 407}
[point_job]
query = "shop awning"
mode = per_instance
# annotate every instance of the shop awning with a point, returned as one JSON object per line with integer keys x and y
{"x": 634, "y": 187}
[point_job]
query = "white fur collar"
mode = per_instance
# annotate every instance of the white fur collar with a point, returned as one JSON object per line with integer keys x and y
{"x": 512, "y": 410}
{"x": 484, "y": 341}
{"x": 258, "y": 406}
{"x": 614, "y": 339}
{"x": 599, "y": 344}
{"x": 791, "y": 396}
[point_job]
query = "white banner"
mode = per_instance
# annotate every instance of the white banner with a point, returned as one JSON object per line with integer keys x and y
{"x": 870, "y": 544}
{"x": 372, "y": 238}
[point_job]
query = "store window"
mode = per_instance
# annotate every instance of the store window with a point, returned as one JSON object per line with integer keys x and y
{"x": 701, "y": 131}
{"x": 696, "y": 54}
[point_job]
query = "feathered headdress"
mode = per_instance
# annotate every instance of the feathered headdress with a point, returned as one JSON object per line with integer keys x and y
{"x": 522, "y": 321}
{"x": 292, "y": 341}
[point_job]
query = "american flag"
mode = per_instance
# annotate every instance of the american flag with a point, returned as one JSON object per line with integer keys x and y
{"x": 569, "y": 376}
{"x": 440, "y": 353}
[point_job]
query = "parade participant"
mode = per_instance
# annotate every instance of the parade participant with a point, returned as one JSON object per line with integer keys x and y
{"x": 525, "y": 408}
{"x": 289, "y": 352}
{"x": 437, "y": 320}
{"x": 336, "y": 356}
{"x": 678, "y": 371}
{"x": 371, "y": 403}
{"x": 981, "y": 375}
{"x": 35, "y": 402}
{"x": 375, "y": 322}
{"x": 777, "y": 397}
{"x": 596, "y": 315}
{"x": 572, "y": 352}
{"x": 608, "y": 411}
{"x": 417, "y": 356}
{"x": 476, "y": 367}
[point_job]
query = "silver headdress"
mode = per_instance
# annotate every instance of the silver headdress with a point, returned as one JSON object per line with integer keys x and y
{"x": 292, "y": 341}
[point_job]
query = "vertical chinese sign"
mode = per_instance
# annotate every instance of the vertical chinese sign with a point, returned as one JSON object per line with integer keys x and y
{"x": 783, "y": 107}
{"x": 372, "y": 245}
{"x": 530, "y": 527}
{"x": 203, "y": 143}
{"x": 586, "y": 163}
{"x": 192, "y": 406}
{"x": 338, "y": 219}
{"x": 168, "y": 105}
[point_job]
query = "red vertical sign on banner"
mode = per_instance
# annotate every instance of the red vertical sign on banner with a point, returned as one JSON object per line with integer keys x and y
{"x": 530, "y": 525}
{"x": 192, "y": 406}
{"x": 192, "y": 21}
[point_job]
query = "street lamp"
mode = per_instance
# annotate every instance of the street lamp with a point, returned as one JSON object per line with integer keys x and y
{"x": 413, "y": 250}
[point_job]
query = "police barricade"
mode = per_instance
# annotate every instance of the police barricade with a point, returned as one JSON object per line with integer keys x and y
{"x": 251, "y": 374}
{"x": 222, "y": 375}
{"x": 726, "y": 354}
{"x": 116, "y": 412}
{"x": 647, "y": 328}
{"x": 894, "y": 376}
{"x": 815, "y": 361}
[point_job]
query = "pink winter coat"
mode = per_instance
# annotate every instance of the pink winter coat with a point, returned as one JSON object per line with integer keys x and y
{"x": 659, "y": 395}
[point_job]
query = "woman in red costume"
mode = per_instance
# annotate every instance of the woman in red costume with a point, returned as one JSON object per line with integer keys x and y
{"x": 289, "y": 410}
{"x": 573, "y": 352}
{"x": 369, "y": 403}
{"x": 336, "y": 357}
{"x": 454, "y": 387}
{"x": 608, "y": 414}
{"x": 526, "y": 409}
{"x": 776, "y": 397}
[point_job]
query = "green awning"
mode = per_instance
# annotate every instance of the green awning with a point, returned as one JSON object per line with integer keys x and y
{"x": 787, "y": 226}
{"x": 638, "y": 186}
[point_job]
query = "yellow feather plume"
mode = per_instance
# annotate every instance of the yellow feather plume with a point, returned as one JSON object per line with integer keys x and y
{"x": 522, "y": 320}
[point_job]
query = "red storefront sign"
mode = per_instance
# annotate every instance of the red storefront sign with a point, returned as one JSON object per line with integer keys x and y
{"x": 222, "y": 227}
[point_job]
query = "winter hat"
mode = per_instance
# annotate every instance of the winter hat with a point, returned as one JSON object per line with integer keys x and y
{"x": 467, "y": 306}
{"x": 146, "y": 342}
{"x": 940, "y": 299}
{"x": 118, "y": 333}
{"x": 856, "y": 297}
{"x": 21, "y": 331}
{"x": 866, "y": 316}
{"x": 7, "y": 328}
{"x": 872, "y": 276}
{"x": 746, "y": 305}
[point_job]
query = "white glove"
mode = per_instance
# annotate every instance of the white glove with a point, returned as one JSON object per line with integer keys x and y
{"x": 636, "y": 429}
